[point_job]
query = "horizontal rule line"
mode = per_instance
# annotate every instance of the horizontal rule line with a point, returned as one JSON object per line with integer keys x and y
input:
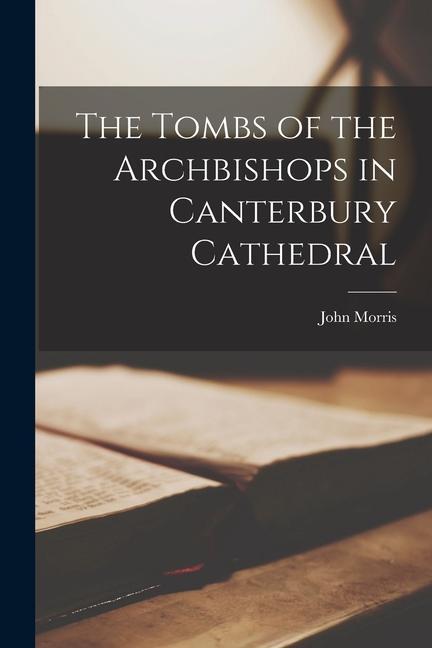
{"x": 372, "y": 292}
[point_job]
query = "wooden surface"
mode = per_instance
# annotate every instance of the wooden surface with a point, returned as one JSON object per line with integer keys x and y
{"x": 373, "y": 589}
{"x": 397, "y": 392}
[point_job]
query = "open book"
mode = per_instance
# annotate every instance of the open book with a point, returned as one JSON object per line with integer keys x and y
{"x": 108, "y": 525}
{"x": 301, "y": 467}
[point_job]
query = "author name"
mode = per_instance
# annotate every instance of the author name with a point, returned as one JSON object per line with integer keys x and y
{"x": 357, "y": 317}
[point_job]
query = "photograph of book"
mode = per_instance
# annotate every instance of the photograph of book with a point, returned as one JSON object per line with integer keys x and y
{"x": 142, "y": 473}
{"x": 108, "y": 525}
{"x": 233, "y": 316}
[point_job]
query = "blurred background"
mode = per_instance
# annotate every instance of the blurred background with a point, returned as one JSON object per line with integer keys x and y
{"x": 223, "y": 42}
{"x": 240, "y": 42}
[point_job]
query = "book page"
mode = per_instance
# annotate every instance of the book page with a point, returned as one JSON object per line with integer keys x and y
{"x": 154, "y": 411}
{"x": 76, "y": 480}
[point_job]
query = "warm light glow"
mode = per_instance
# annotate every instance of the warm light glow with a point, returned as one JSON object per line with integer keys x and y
{"x": 187, "y": 42}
